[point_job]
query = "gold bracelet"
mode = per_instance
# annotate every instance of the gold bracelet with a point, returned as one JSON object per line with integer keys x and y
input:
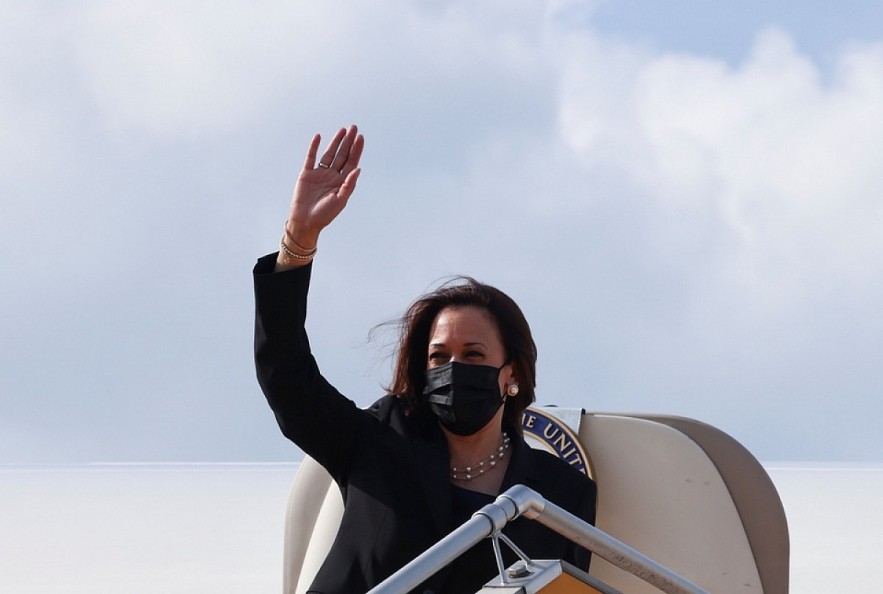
{"x": 289, "y": 255}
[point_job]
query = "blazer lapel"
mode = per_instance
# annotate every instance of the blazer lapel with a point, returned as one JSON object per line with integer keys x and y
{"x": 431, "y": 457}
{"x": 521, "y": 470}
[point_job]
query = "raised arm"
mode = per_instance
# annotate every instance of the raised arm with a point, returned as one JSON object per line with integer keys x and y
{"x": 320, "y": 194}
{"x": 309, "y": 410}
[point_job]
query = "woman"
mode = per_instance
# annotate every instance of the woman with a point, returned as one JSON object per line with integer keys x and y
{"x": 447, "y": 439}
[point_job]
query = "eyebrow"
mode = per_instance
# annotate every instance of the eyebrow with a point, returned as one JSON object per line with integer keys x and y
{"x": 465, "y": 344}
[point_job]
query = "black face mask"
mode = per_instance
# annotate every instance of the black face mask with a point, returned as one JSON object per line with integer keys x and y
{"x": 464, "y": 397}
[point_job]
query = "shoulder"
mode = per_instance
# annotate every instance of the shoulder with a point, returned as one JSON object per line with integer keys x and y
{"x": 551, "y": 465}
{"x": 385, "y": 407}
{"x": 560, "y": 477}
{"x": 390, "y": 411}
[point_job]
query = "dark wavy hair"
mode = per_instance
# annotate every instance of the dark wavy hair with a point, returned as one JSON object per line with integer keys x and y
{"x": 409, "y": 371}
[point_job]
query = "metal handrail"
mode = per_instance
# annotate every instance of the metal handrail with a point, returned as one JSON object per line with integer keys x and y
{"x": 523, "y": 501}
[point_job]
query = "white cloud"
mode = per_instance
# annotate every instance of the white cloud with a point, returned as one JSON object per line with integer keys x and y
{"x": 785, "y": 161}
{"x": 174, "y": 69}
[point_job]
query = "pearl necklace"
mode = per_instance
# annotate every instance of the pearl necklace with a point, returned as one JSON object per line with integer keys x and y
{"x": 482, "y": 466}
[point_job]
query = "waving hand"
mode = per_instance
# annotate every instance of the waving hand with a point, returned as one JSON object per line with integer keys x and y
{"x": 322, "y": 190}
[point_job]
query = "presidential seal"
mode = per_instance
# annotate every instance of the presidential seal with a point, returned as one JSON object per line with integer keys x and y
{"x": 545, "y": 431}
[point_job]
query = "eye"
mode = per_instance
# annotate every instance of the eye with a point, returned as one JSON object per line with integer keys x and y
{"x": 438, "y": 358}
{"x": 474, "y": 355}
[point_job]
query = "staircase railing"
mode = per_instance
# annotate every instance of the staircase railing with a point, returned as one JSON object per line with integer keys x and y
{"x": 522, "y": 501}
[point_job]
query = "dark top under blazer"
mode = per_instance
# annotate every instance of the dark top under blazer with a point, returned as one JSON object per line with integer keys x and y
{"x": 392, "y": 470}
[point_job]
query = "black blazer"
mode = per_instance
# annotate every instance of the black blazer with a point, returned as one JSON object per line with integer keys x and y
{"x": 392, "y": 470}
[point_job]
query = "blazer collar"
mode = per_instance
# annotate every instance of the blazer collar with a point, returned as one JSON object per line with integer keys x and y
{"x": 431, "y": 454}
{"x": 522, "y": 469}
{"x": 432, "y": 458}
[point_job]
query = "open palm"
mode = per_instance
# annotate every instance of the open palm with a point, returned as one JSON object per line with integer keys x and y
{"x": 324, "y": 187}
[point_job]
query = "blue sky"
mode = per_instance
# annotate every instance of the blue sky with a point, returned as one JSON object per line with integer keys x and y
{"x": 728, "y": 29}
{"x": 685, "y": 202}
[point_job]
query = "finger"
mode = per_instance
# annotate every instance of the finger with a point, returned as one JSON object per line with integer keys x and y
{"x": 310, "y": 161}
{"x": 349, "y": 184}
{"x": 343, "y": 150}
{"x": 355, "y": 155}
{"x": 327, "y": 159}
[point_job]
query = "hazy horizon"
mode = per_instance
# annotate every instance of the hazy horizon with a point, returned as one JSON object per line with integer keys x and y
{"x": 184, "y": 529}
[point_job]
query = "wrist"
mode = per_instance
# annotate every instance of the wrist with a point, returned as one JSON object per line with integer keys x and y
{"x": 292, "y": 253}
{"x": 302, "y": 239}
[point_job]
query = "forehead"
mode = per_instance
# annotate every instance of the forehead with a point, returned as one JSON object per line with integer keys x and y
{"x": 464, "y": 323}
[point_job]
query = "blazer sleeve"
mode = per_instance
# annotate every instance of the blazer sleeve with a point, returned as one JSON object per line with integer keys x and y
{"x": 310, "y": 411}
